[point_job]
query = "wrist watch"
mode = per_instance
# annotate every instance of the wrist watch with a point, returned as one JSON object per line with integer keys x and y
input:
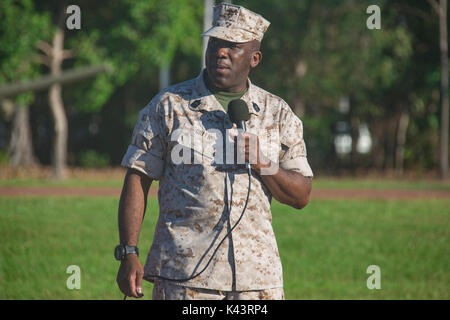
{"x": 122, "y": 250}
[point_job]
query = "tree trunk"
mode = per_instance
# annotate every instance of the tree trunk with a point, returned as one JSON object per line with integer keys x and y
{"x": 444, "y": 89}
{"x": 379, "y": 145}
{"x": 354, "y": 132}
{"x": 354, "y": 156}
{"x": 21, "y": 143}
{"x": 390, "y": 134}
{"x": 402, "y": 129}
{"x": 57, "y": 108}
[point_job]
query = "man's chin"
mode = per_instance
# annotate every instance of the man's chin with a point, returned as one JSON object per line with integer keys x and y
{"x": 218, "y": 82}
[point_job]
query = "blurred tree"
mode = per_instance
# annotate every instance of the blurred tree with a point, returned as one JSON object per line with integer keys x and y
{"x": 421, "y": 83}
{"x": 21, "y": 27}
{"x": 129, "y": 35}
{"x": 315, "y": 53}
{"x": 138, "y": 38}
{"x": 54, "y": 56}
{"x": 208, "y": 12}
{"x": 441, "y": 11}
{"x": 319, "y": 52}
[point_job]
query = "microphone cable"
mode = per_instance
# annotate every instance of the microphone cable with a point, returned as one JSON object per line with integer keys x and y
{"x": 220, "y": 243}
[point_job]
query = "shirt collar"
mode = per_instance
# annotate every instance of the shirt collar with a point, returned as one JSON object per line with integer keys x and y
{"x": 203, "y": 100}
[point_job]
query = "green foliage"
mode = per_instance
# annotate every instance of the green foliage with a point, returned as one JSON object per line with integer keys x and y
{"x": 93, "y": 159}
{"x": 131, "y": 36}
{"x": 317, "y": 52}
{"x": 314, "y": 53}
{"x": 161, "y": 27}
{"x": 91, "y": 95}
{"x": 319, "y": 138}
{"x": 21, "y": 27}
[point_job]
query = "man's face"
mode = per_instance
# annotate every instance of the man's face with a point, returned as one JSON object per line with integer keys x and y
{"x": 228, "y": 63}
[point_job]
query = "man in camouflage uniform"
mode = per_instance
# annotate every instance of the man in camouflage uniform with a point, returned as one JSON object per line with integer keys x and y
{"x": 201, "y": 192}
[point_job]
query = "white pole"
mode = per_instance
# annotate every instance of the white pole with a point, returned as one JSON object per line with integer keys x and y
{"x": 164, "y": 76}
{"x": 207, "y": 23}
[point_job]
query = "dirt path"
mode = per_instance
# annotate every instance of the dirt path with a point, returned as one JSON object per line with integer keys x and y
{"x": 316, "y": 194}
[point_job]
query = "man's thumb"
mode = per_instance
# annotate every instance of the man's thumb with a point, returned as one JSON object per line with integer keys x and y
{"x": 139, "y": 284}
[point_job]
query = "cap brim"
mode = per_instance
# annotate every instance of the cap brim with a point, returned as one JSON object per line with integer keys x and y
{"x": 228, "y": 34}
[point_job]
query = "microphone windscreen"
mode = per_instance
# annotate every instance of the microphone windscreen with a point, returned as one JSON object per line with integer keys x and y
{"x": 238, "y": 111}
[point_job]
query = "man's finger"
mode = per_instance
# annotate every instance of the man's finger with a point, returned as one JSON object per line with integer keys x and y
{"x": 139, "y": 284}
{"x": 132, "y": 285}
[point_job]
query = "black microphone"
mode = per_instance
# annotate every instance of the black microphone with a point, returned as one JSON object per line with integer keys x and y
{"x": 238, "y": 113}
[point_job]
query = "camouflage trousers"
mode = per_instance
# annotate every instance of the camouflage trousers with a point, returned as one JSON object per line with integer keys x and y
{"x": 166, "y": 290}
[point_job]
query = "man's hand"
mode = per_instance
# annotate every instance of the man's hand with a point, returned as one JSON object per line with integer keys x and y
{"x": 288, "y": 187}
{"x": 252, "y": 152}
{"x": 129, "y": 277}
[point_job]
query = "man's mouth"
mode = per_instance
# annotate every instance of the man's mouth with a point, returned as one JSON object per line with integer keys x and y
{"x": 220, "y": 67}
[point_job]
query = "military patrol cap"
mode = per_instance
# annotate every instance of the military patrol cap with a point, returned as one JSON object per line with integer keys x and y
{"x": 236, "y": 24}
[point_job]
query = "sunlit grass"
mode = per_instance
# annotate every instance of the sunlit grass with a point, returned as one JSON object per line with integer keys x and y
{"x": 325, "y": 248}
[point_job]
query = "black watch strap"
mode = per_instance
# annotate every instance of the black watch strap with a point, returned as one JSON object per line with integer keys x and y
{"x": 122, "y": 250}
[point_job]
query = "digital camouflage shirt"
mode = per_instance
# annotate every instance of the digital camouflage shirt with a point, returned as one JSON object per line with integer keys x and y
{"x": 183, "y": 138}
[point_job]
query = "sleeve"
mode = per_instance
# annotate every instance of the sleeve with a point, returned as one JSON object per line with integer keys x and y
{"x": 293, "y": 149}
{"x": 146, "y": 152}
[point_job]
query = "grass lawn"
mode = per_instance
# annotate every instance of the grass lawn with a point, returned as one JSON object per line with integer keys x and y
{"x": 325, "y": 248}
{"x": 380, "y": 183}
{"x": 116, "y": 180}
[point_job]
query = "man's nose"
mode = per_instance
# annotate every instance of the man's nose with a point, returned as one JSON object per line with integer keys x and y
{"x": 221, "y": 51}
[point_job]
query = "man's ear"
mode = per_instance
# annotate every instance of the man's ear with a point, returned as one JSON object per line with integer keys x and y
{"x": 255, "y": 59}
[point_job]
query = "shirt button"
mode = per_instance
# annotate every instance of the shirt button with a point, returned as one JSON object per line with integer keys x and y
{"x": 195, "y": 104}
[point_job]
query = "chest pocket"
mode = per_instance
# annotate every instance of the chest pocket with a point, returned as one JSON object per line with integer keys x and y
{"x": 184, "y": 146}
{"x": 212, "y": 148}
{"x": 269, "y": 142}
{"x": 190, "y": 145}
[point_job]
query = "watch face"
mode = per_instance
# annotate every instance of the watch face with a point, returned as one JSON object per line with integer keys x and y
{"x": 119, "y": 252}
